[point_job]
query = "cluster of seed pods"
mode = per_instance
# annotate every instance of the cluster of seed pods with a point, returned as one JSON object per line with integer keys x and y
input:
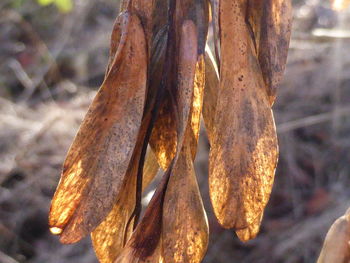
{"x": 161, "y": 78}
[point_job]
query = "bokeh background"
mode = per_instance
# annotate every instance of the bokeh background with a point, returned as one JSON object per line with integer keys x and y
{"x": 52, "y": 60}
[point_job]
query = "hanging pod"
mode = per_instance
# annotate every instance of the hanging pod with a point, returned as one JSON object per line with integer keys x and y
{"x": 244, "y": 150}
{"x": 159, "y": 80}
{"x": 97, "y": 161}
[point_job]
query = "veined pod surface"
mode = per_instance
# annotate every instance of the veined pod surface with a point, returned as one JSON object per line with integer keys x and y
{"x": 164, "y": 138}
{"x": 97, "y": 161}
{"x": 110, "y": 236}
{"x": 271, "y": 23}
{"x": 145, "y": 244}
{"x": 244, "y": 150}
{"x": 185, "y": 228}
{"x": 251, "y": 231}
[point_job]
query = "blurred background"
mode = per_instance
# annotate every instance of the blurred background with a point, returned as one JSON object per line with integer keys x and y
{"x": 52, "y": 59}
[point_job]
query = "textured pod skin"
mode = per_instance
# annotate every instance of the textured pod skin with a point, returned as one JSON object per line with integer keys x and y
{"x": 145, "y": 244}
{"x": 110, "y": 236}
{"x": 244, "y": 149}
{"x": 185, "y": 242}
{"x": 185, "y": 226}
{"x": 251, "y": 231}
{"x": 97, "y": 161}
{"x": 271, "y": 23}
{"x": 164, "y": 138}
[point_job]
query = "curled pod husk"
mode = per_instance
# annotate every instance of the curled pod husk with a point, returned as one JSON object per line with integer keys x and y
{"x": 244, "y": 149}
{"x": 110, "y": 237}
{"x": 97, "y": 161}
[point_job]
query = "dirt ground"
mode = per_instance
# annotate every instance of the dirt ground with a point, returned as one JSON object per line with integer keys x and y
{"x": 50, "y": 67}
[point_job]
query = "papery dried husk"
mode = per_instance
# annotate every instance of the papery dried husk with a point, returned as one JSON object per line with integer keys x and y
{"x": 111, "y": 235}
{"x": 185, "y": 227}
{"x": 270, "y": 23}
{"x": 251, "y": 231}
{"x": 244, "y": 149}
{"x": 164, "y": 138}
{"x": 96, "y": 164}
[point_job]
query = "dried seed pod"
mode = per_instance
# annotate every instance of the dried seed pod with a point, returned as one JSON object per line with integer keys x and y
{"x": 185, "y": 228}
{"x": 336, "y": 245}
{"x": 244, "y": 149}
{"x": 96, "y": 164}
{"x": 270, "y": 23}
{"x": 164, "y": 135}
{"x": 110, "y": 236}
{"x": 145, "y": 242}
{"x": 201, "y": 19}
{"x": 187, "y": 57}
{"x": 164, "y": 138}
{"x": 184, "y": 242}
{"x": 251, "y": 231}
{"x": 196, "y": 110}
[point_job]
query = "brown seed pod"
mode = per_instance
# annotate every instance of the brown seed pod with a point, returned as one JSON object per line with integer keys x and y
{"x": 251, "y": 231}
{"x": 336, "y": 245}
{"x": 110, "y": 236}
{"x": 145, "y": 244}
{"x": 244, "y": 149}
{"x": 185, "y": 242}
{"x": 157, "y": 78}
{"x": 96, "y": 164}
{"x": 270, "y": 23}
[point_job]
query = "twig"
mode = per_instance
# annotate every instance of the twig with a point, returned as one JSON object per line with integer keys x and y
{"x": 311, "y": 120}
{"x": 308, "y": 229}
{"x": 43, "y": 50}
